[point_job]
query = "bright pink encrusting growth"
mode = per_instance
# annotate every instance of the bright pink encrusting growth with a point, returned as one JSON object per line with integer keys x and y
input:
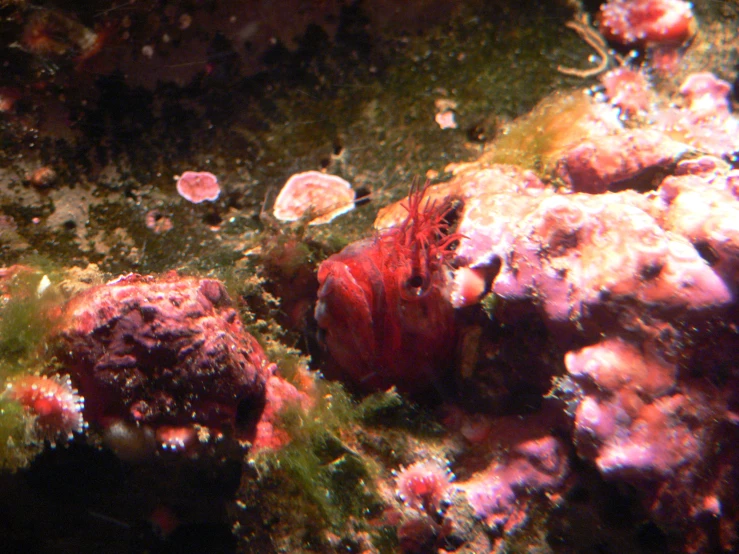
{"x": 617, "y": 161}
{"x": 647, "y": 22}
{"x": 52, "y": 401}
{"x": 280, "y": 395}
{"x": 708, "y": 95}
{"x": 425, "y": 485}
{"x": 706, "y": 122}
{"x": 629, "y": 90}
{"x": 318, "y": 195}
{"x": 497, "y": 493}
{"x": 198, "y": 186}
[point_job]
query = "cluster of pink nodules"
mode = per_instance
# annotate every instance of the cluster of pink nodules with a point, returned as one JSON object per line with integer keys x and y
{"x": 647, "y": 22}
{"x": 425, "y": 485}
{"x": 631, "y": 271}
{"x": 526, "y": 462}
{"x": 629, "y": 90}
{"x": 639, "y": 422}
{"x": 498, "y": 494}
{"x": 704, "y": 120}
{"x": 614, "y": 161}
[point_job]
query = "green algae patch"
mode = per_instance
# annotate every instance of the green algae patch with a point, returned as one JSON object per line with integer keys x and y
{"x": 319, "y": 482}
{"x": 25, "y": 316}
{"x": 389, "y": 410}
{"x": 536, "y": 140}
{"x": 16, "y": 447}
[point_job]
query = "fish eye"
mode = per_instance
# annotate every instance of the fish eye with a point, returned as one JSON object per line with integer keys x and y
{"x": 415, "y": 287}
{"x": 414, "y": 282}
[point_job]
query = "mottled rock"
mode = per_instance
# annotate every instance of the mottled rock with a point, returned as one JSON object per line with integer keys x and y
{"x": 162, "y": 350}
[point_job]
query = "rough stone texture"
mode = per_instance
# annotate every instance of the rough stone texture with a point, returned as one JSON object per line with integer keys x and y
{"x": 618, "y": 161}
{"x": 168, "y": 350}
{"x": 639, "y": 291}
{"x": 641, "y": 424}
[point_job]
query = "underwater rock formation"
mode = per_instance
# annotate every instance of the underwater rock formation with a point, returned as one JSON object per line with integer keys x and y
{"x": 638, "y": 289}
{"x": 162, "y": 351}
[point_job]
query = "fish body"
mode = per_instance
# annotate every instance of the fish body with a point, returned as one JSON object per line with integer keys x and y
{"x": 383, "y": 305}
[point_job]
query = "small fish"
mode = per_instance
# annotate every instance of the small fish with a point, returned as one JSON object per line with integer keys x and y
{"x": 383, "y": 303}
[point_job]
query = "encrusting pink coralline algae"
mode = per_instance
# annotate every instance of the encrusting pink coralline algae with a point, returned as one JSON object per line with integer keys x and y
{"x": 631, "y": 262}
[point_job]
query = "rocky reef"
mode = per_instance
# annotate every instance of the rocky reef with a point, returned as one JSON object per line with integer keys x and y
{"x": 360, "y": 277}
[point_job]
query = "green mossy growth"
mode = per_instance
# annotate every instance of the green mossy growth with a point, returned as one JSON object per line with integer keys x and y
{"x": 16, "y": 447}
{"x": 24, "y": 320}
{"x": 536, "y": 140}
{"x": 330, "y": 476}
{"x": 24, "y": 323}
{"x": 490, "y": 303}
{"x": 390, "y": 410}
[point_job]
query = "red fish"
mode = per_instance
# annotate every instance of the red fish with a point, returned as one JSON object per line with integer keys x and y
{"x": 383, "y": 304}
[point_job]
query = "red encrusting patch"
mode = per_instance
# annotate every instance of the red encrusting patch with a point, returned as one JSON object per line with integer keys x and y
{"x": 424, "y": 485}
{"x": 55, "y": 404}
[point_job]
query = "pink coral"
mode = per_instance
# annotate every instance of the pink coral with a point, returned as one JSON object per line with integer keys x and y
{"x": 629, "y": 90}
{"x": 198, "y": 186}
{"x": 624, "y": 160}
{"x": 640, "y": 421}
{"x": 53, "y": 402}
{"x": 424, "y": 485}
{"x": 706, "y": 212}
{"x": 610, "y": 424}
{"x": 647, "y": 21}
{"x": 497, "y": 493}
{"x": 280, "y": 395}
{"x": 707, "y": 122}
{"x": 707, "y": 94}
{"x": 320, "y": 195}
{"x": 162, "y": 351}
{"x": 586, "y": 258}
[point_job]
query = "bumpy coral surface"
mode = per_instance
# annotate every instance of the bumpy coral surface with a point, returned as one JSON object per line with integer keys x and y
{"x": 158, "y": 351}
{"x": 634, "y": 269}
{"x": 629, "y": 90}
{"x": 424, "y": 485}
{"x": 647, "y": 21}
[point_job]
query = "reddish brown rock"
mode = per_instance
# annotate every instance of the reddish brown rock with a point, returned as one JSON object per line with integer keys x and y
{"x": 165, "y": 350}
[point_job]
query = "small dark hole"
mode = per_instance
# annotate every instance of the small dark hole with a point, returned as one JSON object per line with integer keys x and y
{"x": 213, "y": 219}
{"x": 707, "y": 252}
{"x": 477, "y": 133}
{"x": 248, "y": 411}
{"x": 70, "y": 225}
{"x": 415, "y": 282}
{"x": 338, "y": 149}
{"x": 324, "y": 162}
{"x": 650, "y": 271}
{"x": 451, "y": 217}
{"x": 362, "y": 196}
{"x": 482, "y": 131}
